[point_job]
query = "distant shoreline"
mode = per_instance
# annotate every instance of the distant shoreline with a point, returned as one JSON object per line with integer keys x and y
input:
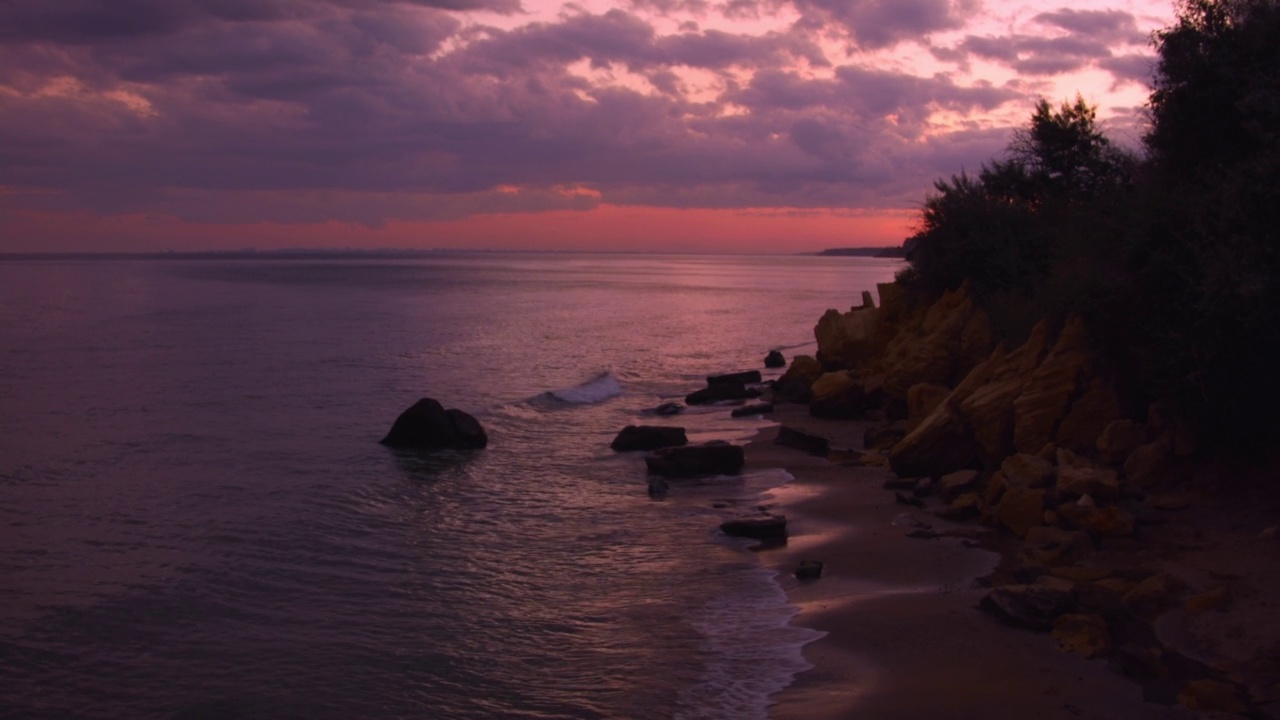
{"x": 880, "y": 252}
{"x": 386, "y": 254}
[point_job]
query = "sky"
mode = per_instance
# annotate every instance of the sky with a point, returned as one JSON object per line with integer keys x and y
{"x": 633, "y": 125}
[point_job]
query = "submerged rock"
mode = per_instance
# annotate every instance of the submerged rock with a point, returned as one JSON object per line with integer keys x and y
{"x": 670, "y": 408}
{"x": 713, "y": 458}
{"x": 756, "y": 409}
{"x": 426, "y": 425}
{"x": 721, "y": 391}
{"x": 775, "y": 359}
{"x": 745, "y": 377}
{"x": 809, "y": 570}
{"x": 757, "y": 527}
{"x": 648, "y": 437}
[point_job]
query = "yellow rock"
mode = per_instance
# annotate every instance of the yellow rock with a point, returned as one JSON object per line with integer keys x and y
{"x": 1084, "y": 635}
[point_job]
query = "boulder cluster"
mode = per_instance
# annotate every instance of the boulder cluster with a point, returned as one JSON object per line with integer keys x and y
{"x": 1036, "y": 439}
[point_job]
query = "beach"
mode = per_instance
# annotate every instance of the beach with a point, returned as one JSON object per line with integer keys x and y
{"x": 904, "y": 637}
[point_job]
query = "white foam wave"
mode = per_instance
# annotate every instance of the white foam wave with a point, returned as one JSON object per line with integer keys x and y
{"x": 755, "y": 652}
{"x": 596, "y": 390}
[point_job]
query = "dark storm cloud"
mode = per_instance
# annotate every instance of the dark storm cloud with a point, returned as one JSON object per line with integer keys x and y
{"x": 1089, "y": 40}
{"x": 344, "y": 110}
{"x": 881, "y": 23}
{"x": 1108, "y": 25}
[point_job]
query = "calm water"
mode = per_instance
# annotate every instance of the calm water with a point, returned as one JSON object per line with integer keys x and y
{"x": 198, "y": 522}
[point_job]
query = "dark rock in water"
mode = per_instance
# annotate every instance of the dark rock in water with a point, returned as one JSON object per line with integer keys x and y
{"x": 757, "y": 527}
{"x": 671, "y": 408}
{"x": 1033, "y": 606}
{"x": 745, "y": 377}
{"x": 428, "y": 426}
{"x": 648, "y": 437}
{"x": 774, "y": 360}
{"x": 722, "y": 391}
{"x": 812, "y": 444}
{"x": 756, "y": 409}
{"x": 809, "y": 570}
{"x": 658, "y": 488}
{"x": 713, "y": 458}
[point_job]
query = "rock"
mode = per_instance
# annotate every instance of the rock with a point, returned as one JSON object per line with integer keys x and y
{"x": 713, "y": 458}
{"x": 847, "y": 340}
{"x": 1026, "y": 471}
{"x": 721, "y": 391}
{"x": 795, "y": 384}
{"x": 940, "y": 445}
{"x": 1085, "y": 635}
{"x": 1020, "y": 509}
{"x": 953, "y": 336}
{"x": 967, "y": 506}
{"x": 809, "y": 570}
{"x": 953, "y": 485}
{"x": 757, "y": 527}
{"x": 1118, "y": 439}
{"x": 911, "y": 500}
{"x": 774, "y": 360}
{"x": 426, "y": 425}
{"x": 1106, "y": 522}
{"x": 1096, "y": 482}
{"x": 1211, "y": 696}
{"x": 837, "y": 395}
{"x": 1151, "y": 597}
{"x": 800, "y": 440}
{"x": 1053, "y": 547}
{"x": 648, "y": 437}
{"x": 1148, "y": 465}
{"x": 671, "y": 408}
{"x": 1215, "y": 600}
{"x": 884, "y": 437}
{"x": 1047, "y": 396}
{"x": 923, "y": 399}
{"x": 1089, "y": 415}
{"x": 756, "y": 409}
{"x": 658, "y": 488}
{"x": 1036, "y": 606}
{"x": 746, "y": 377}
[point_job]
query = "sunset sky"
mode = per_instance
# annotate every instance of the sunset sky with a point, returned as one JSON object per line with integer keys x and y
{"x": 692, "y": 125}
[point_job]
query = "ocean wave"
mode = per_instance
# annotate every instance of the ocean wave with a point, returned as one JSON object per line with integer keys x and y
{"x": 596, "y": 390}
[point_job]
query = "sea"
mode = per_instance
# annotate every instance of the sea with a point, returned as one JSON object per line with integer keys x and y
{"x": 197, "y": 520}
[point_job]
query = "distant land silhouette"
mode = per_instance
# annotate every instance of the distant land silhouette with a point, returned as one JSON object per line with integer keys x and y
{"x": 883, "y": 252}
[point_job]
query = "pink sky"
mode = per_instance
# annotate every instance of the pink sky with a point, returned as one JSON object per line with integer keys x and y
{"x": 738, "y": 126}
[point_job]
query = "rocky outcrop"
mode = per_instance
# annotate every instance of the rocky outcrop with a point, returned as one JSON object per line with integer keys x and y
{"x": 713, "y": 458}
{"x": 648, "y": 437}
{"x": 847, "y": 340}
{"x": 746, "y": 377}
{"x": 426, "y": 425}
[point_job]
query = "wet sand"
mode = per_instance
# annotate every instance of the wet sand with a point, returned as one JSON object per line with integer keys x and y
{"x": 905, "y": 639}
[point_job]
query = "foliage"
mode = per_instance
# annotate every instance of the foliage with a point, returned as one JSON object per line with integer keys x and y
{"x": 1173, "y": 257}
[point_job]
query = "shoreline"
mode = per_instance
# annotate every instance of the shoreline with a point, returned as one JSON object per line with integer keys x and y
{"x": 903, "y": 635}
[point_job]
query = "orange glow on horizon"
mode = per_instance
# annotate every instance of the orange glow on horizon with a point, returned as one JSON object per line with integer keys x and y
{"x": 608, "y": 228}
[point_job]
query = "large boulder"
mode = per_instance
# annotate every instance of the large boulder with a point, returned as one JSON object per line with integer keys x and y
{"x": 801, "y": 440}
{"x": 796, "y": 383}
{"x": 648, "y": 437}
{"x": 426, "y": 425}
{"x": 1036, "y": 606}
{"x": 837, "y": 395}
{"x": 942, "y": 444}
{"x": 713, "y": 458}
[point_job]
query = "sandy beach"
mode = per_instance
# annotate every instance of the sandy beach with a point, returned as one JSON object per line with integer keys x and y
{"x": 904, "y": 637}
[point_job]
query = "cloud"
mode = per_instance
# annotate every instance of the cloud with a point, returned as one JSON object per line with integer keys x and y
{"x": 316, "y": 110}
{"x": 872, "y": 24}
